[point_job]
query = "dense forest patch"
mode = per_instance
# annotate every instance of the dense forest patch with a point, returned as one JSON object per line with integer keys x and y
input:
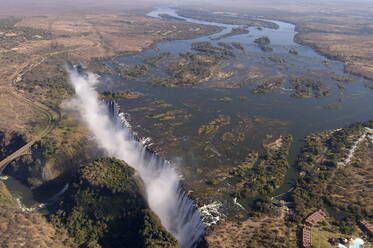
{"x": 104, "y": 208}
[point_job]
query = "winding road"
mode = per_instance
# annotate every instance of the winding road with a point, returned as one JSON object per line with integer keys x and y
{"x": 52, "y": 115}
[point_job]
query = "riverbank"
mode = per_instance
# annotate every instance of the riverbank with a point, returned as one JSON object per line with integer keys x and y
{"x": 43, "y": 78}
{"x": 183, "y": 117}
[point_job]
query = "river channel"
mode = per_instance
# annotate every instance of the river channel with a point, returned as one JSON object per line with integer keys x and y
{"x": 265, "y": 115}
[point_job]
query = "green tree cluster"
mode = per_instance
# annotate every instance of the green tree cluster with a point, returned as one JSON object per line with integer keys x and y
{"x": 267, "y": 175}
{"x": 318, "y": 167}
{"x": 55, "y": 156}
{"x": 104, "y": 208}
{"x": 133, "y": 72}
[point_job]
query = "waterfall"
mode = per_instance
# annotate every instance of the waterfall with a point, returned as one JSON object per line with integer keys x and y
{"x": 113, "y": 133}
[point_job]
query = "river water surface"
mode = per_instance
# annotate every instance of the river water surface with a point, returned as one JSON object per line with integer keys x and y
{"x": 269, "y": 115}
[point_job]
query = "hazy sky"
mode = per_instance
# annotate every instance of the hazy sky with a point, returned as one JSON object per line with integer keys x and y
{"x": 26, "y": 6}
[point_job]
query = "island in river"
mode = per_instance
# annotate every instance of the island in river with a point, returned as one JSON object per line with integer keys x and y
{"x": 233, "y": 115}
{"x": 185, "y": 109}
{"x": 231, "y": 110}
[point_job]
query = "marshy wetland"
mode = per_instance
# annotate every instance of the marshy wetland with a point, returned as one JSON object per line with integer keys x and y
{"x": 230, "y": 110}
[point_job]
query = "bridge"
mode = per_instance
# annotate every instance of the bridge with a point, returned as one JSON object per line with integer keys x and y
{"x": 52, "y": 114}
{"x": 20, "y": 152}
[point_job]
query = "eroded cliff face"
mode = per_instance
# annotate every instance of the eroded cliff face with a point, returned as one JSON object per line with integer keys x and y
{"x": 51, "y": 161}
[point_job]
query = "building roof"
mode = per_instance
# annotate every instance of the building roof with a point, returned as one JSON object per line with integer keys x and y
{"x": 315, "y": 217}
{"x": 309, "y": 222}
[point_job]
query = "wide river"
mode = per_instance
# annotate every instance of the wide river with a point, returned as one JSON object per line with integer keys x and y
{"x": 270, "y": 114}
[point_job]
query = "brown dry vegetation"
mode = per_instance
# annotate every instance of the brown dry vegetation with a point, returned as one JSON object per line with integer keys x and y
{"x": 18, "y": 116}
{"x": 32, "y": 55}
{"x": 347, "y": 38}
{"x": 69, "y": 31}
{"x": 99, "y": 35}
{"x": 20, "y": 229}
{"x": 253, "y": 233}
{"x": 354, "y": 185}
{"x": 6, "y": 198}
{"x": 83, "y": 32}
{"x": 36, "y": 42}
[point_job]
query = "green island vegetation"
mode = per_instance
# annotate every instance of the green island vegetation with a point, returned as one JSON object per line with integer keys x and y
{"x": 133, "y": 72}
{"x": 268, "y": 174}
{"x": 156, "y": 60}
{"x": 306, "y": 87}
{"x": 170, "y": 115}
{"x": 213, "y": 126}
{"x": 269, "y": 85}
{"x": 192, "y": 68}
{"x": 99, "y": 68}
{"x": 241, "y": 170}
{"x": 264, "y": 42}
{"x": 141, "y": 109}
{"x": 233, "y": 137}
{"x": 252, "y": 180}
{"x": 171, "y": 18}
{"x": 342, "y": 190}
{"x": 161, "y": 104}
{"x": 230, "y": 46}
{"x": 277, "y": 60}
{"x": 104, "y": 207}
{"x": 189, "y": 69}
{"x": 207, "y": 47}
{"x": 238, "y": 46}
{"x": 226, "y": 45}
{"x": 234, "y": 32}
{"x": 105, "y": 196}
{"x": 293, "y": 51}
{"x": 126, "y": 94}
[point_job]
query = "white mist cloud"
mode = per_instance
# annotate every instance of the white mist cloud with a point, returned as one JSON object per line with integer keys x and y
{"x": 162, "y": 183}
